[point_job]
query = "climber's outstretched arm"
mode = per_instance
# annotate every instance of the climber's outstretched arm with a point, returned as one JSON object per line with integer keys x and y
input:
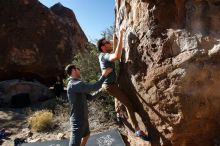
{"x": 116, "y": 55}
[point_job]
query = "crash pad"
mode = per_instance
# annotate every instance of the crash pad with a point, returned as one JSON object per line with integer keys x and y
{"x": 108, "y": 138}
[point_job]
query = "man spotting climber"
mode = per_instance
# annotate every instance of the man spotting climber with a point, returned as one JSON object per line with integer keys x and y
{"x": 77, "y": 93}
{"x": 108, "y": 56}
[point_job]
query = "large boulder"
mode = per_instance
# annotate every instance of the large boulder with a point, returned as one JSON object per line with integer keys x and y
{"x": 171, "y": 69}
{"x": 21, "y": 93}
{"x": 37, "y": 42}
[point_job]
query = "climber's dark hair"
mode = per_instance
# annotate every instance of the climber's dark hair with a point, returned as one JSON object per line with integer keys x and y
{"x": 100, "y": 44}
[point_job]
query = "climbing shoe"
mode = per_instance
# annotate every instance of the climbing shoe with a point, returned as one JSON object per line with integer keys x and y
{"x": 119, "y": 119}
{"x": 142, "y": 135}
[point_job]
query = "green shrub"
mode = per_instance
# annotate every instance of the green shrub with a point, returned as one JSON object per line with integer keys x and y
{"x": 88, "y": 63}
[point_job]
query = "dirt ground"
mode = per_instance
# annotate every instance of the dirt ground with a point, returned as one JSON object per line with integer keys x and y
{"x": 15, "y": 122}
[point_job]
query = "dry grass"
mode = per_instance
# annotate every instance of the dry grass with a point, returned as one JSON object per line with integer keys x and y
{"x": 41, "y": 120}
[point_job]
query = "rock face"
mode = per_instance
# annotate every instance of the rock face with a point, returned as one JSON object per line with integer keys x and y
{"x": 172, "y": 69}
{"x": 21, "y": 93}
{"x": 37, "y": 42}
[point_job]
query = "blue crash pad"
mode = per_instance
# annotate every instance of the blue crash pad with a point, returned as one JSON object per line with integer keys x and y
{"x": 109, "y": 138}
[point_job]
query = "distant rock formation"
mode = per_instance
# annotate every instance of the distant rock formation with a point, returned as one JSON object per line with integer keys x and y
{"x": 20, "y": 93}
{"x": 171, "y": 69}
{"x": 37, "y": 42}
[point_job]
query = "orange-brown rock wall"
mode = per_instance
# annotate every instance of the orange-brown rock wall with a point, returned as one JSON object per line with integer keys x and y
{"x": 171, "y": 69}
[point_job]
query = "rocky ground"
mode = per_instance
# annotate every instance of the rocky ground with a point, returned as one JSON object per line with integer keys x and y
{"x": 102, "y": 118}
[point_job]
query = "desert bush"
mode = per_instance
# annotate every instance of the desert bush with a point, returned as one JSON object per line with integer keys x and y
{"x": 41, "y": 121}
{"x": 88, "y": 63}
{"x": 108, "y": 33}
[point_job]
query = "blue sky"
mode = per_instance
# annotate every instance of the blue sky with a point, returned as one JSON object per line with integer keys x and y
{"x": 94, "y": 16}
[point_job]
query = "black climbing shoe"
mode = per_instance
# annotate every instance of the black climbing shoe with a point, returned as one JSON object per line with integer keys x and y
{"x": 142, "y": 135}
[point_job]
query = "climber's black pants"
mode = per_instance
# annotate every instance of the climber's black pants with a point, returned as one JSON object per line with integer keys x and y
{"x": 115, "y": 91}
